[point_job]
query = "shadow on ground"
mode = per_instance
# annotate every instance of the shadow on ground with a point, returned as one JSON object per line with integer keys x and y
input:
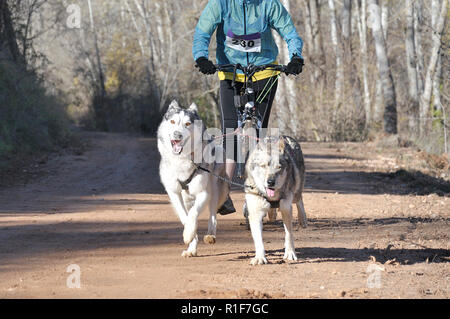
{"x": 339, "y": 254}
{"x": 372, "y": 183}
{"x": 323, "y": 177}
{"x": 34, "y": 240}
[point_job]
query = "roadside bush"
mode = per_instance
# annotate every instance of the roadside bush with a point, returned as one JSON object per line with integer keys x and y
{"x": 31, "y": 120}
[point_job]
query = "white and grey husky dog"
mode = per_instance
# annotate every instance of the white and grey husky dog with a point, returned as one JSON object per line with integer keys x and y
{"x": 275, "y": 173}
{"x": 190, "y": 189}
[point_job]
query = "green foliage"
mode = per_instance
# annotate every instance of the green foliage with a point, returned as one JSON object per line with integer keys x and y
{"x": 30, "y": 119}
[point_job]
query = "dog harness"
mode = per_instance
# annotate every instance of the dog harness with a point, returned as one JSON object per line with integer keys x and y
{"x": 185, "y": 184}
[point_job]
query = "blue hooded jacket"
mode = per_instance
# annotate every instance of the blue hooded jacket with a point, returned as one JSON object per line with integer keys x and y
{"x": 237, "y": 20}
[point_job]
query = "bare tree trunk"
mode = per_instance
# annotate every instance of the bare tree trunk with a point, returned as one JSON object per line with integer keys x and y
{"x": 411, "y": 52}
{"x": 148, "y": 62}
{"x": 27, "y": 30}
{"x": 436, "y": 47}
{"x": 390, "y": 108}
{"x": 437, "y": 79}
{"x": 282, "y": 105}
{"x": 362, "y": 30}
{"x": 437, "y": 103}
{"x": 7, "y": 33}
{"x": 346, "y": 24}
{"x": 379, "y": 99}
{"x": 339, "y": 83}
{"x": 418, "y": 23}
{"x": 319, "y": 56}
{"x": 308, "y": 37}
{"x": 347, "y": 35}
{"x": 151, "y": 70}
{"x": 143, "y": 11}
{"x": 290, "y": 85}
{"x": 97, "y": 53}
{"x": 287, "y": 118}
{"x": 136, "y": 26}
{"x": 85, "y": 52}
{"x": 170, "y": 60}
{"x": 411, "y": 66}
{"x": 385, "y": 18}
{"x": 346, "y": 27}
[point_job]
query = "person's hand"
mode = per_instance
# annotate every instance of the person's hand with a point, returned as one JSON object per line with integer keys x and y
{"x": 205, "y": 66}
{"x": 295, "y": 67}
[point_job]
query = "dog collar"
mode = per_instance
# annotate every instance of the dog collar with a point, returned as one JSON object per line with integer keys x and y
{"x": 273, "y": 204}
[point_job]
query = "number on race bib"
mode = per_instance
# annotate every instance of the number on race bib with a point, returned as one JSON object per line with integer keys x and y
{"x": 245, "y": 43}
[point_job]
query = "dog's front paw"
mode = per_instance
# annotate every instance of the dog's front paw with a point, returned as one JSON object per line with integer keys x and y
{"x": 188, "y": 253}
{"x": 209, "y": 239}
{"x": 290, "y": 255}
{"x": 189, "y": 231}
{"x": 258, "y": 261}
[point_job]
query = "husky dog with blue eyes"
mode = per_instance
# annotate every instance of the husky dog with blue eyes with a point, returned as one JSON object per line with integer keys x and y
{"x": 191, "y": 189}
{"x": 275, "y": 173}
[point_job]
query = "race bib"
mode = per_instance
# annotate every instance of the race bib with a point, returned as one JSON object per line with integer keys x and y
{"x": 244, "y": 43}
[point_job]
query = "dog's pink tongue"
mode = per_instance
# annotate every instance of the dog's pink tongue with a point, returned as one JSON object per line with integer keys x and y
{"x": 177, "y": 148}
{"x": 270, "y": 192}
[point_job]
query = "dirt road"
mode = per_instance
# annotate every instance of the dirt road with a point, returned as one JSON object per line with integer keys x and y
{"x": 105, "y": 211}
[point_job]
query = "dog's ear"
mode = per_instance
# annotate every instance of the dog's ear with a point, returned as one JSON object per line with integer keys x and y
{"x": 261, "y": 146}
{"x": 193, "y": 107}
{"x": 173, "y": 106}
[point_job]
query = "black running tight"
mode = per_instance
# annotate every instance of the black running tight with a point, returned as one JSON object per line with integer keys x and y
{"x": 228, "y": 110}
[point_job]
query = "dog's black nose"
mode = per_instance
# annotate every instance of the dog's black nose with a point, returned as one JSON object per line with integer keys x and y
{"x": 177, "y": 135}
{"x": 271, "y": 182}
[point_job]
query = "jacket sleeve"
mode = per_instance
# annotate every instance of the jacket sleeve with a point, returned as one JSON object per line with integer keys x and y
{"x": 281, "y": 21}
{"x": 207, "y": 24}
